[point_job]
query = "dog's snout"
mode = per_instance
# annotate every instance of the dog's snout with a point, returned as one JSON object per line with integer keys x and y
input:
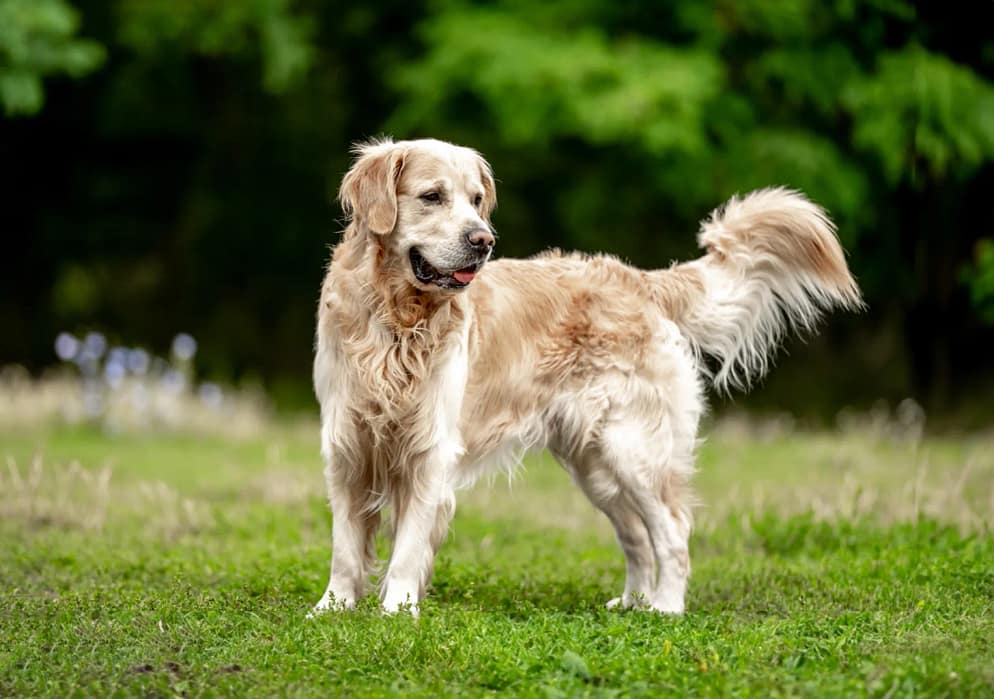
{"x": 480, "y": 238}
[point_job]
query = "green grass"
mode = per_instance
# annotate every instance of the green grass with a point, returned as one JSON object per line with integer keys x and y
{"x": 825, "y": 564}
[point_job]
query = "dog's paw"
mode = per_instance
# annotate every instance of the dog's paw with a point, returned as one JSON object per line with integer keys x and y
{"x": 400, "y": 598}
{"x": 668, "y": 611}
{"x": 668, "y": 599}
{"x": 402, "y": 608}
{"x": 629, "y": 600}
{"x": 671, "y": 607}
{"x": 331, "y": 603}
{"x": 397, "y": 606}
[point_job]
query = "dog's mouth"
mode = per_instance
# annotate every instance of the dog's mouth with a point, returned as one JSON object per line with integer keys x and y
{"x": 425, "y": 273}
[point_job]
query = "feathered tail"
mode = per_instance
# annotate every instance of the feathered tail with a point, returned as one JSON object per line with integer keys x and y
{"x": 773, "y": 264}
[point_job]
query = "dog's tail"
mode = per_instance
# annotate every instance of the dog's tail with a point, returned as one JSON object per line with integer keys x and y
{"x": 773, "y": 264}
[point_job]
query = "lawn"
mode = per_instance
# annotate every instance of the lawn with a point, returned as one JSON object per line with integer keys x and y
{"x": 855, "y": 562}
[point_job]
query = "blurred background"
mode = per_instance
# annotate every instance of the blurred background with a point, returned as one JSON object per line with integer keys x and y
{"x": 168, "y": 167}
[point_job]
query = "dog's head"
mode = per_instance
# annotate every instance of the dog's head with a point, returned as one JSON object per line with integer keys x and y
{"x": 428, "y": 205}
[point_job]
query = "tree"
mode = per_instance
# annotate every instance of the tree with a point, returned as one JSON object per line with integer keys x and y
{"x": 186, "y": 183}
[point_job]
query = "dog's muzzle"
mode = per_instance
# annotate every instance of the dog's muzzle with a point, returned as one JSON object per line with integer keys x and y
{"x": 456, "y": 278}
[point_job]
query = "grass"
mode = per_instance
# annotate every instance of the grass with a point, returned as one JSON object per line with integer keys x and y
{"x": 856, "y": 563}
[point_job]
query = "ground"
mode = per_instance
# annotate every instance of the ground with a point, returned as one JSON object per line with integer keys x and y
{"x": 852, "y": 562}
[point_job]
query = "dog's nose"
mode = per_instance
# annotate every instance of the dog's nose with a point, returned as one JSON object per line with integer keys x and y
{"x": 480, "y": 238}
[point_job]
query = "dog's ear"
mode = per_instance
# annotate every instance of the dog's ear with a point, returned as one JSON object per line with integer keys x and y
{"x": 369, "y": 190}
{"x": 489, "y": 188}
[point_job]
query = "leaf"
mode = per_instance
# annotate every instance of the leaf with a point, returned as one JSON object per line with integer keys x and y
{"x": 541, "y": 83}
{"x": 270, "y": 30}
{"x": 920, "y": 110}
{"x": 979, "y": 279}
{"x": 37, "y": 39}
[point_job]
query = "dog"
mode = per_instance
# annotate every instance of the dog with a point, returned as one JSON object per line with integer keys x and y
{"x": 434, "y": 365}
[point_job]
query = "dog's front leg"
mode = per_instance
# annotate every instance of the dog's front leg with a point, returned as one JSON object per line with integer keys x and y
{"x": 422, "y": 519}
{"x": 353, "y": 543}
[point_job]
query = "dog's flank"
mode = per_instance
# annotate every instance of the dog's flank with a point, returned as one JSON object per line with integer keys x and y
{"x": 434, "y": 365}
{"x": 773, "y": 263}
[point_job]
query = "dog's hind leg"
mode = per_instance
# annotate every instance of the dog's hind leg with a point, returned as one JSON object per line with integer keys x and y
{"x": 605, "y": 492}
{"x": 647, "y": 443}
{"x": 653, "y": 470}
{"x": 669, "y": 530}
{"x": 656, "y": 517}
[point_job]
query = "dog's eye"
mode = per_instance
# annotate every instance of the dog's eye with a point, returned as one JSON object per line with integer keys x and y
{"x": 431, "y": 197}
{"x": 477, "y": 200}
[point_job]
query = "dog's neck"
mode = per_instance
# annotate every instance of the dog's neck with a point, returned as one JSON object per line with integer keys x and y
{"x": 378, "y": 281}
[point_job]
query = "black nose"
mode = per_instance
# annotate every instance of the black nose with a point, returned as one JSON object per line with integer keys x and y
{"x": 480, "y": 238}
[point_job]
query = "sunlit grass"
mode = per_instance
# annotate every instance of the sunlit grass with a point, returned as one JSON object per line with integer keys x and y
{"x": 845, "y": 562}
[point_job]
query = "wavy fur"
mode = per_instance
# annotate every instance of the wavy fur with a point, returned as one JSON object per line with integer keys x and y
{"x": 773, "y": 265}
{"x": 424, "y": 388}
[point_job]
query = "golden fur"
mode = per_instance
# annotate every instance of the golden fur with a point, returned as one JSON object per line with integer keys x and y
{"x": 424, "y": 388}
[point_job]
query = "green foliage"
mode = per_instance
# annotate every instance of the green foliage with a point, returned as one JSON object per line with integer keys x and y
{"x": 923, "y": 116}
{"x": 75, "y": 292}
{"x": 806, "y": 75}
{"x": 979, "y": 277}
{"x": 38, "y": 39}
{"x": 542, "y": 83}
{"x": 281, "y": 37}
{"x": 804, "y": 160}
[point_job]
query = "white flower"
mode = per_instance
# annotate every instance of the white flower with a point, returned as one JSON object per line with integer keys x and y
{"x": 173, "y": 381}
{"x": 211, "y": 395}
{"x": 93, "y": 403}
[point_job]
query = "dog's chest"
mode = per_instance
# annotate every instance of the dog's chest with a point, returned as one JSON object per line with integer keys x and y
{"x": 396, "y": 383}
{"x": 391, "y": 396}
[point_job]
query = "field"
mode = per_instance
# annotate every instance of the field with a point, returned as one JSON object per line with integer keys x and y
{"x": 850, "y": 562}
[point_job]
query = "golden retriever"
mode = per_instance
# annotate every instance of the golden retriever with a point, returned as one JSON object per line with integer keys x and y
{"x": 434, "y": 366}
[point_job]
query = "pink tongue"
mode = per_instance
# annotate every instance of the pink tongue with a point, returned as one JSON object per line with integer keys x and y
{"x": 464, "y": 276}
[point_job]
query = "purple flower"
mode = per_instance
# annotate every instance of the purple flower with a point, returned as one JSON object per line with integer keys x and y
{"x": 94, "y": 345}
{"x": 66, "y": 347}
{"x": 184, "y": 347}
{"x": 138, "y": 361}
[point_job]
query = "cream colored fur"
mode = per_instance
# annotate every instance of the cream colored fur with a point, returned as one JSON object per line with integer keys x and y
{"x": 424, "y": 389}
